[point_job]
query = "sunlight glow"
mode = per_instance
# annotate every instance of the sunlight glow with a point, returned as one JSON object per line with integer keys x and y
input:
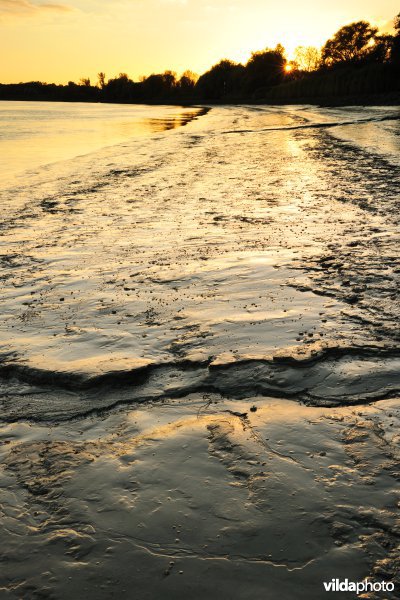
{"x": 66, "y": 40}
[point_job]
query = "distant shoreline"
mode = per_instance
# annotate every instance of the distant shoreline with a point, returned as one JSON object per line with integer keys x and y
{"x": 387, "y": 99}
{"x": 378, "y": 100}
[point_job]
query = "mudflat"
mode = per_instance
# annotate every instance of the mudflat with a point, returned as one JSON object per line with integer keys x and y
{"x": 199, "y": 361}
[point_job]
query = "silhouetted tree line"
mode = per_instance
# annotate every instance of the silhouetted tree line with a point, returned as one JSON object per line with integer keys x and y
{"x": 356, "y": 61}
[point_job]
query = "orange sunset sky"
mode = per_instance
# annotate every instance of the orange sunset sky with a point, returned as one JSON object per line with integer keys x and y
{"x": 58, "y": 41}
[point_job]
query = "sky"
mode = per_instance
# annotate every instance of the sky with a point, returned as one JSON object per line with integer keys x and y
{"x": 63, "y": 40}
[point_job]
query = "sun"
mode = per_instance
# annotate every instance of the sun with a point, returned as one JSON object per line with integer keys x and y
{"x": 288, "y": 68}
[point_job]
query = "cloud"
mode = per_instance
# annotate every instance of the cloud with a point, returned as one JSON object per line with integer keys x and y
{"x": 26, "y": 8}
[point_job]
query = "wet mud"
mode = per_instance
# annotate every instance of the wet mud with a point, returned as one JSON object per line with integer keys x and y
{"x": 199, "y": 372}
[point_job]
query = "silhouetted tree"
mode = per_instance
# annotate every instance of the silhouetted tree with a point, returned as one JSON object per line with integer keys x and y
{"x": 160, "y": 86}
{"x": 396, "y": 24}
{"x": 85, "y": 81}
{"x": 186, "y": 85}
{"x": 121, "y": 89}
{"x": 307, "y": 58}
{"x": 381, "y": 48}
{"x": 101, "y": 79}
{"x": 395, "y": 54}
{"x": 264, "y": 69}
{"x": 222, "y": 80}
{"x": 350, "y": 44}
{"x": 188, "y": 79}
{"x": 169, "y": 80}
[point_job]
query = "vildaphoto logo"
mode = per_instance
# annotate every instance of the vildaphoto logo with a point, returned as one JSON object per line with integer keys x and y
{"x": 337, "y": 585}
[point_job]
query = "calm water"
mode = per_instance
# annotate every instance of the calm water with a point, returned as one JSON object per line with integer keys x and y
{"x": 33, "y": 134}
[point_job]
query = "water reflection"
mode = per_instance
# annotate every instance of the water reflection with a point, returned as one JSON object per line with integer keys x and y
{"x": 172, "y": 123}
{"x": 157, "y": 125}
{"x": 33, "y": 134}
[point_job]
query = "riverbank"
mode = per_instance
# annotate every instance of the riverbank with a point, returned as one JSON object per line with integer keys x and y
{"x": 199, "y": 361}
{"x": 386, "y": 99}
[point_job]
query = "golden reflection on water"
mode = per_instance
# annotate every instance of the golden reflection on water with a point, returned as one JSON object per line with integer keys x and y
{"x": 144, "y": 126}
{"x": 34, "y": 134}
{"x": 159, "y": 125}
